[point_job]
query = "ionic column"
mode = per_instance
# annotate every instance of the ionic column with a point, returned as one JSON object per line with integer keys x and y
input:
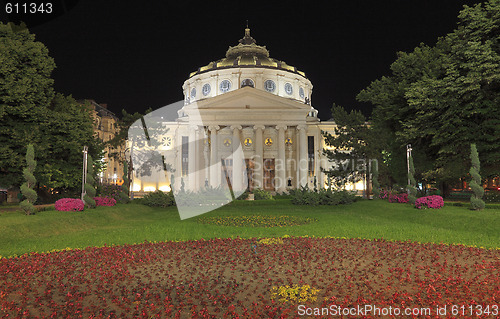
{"x": 192, "y": 157}
{"x": 259, "y": 157}
{"x": 303, "y": 163}
{"x": 214, "y": 159}
{"x": 178, "y": 159}
{"x": 237, "y": 159}
{"x": 281, "y": 165}
{"x": 206, "y": 163}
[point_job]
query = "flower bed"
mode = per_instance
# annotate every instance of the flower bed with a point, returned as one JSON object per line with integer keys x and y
{"x": 105, "y": 201}
{"x": 225, "y": 278}
{"x": 69, "y": 205}
{"x": 434, "y": 201}
{"x": 256, "y": 221}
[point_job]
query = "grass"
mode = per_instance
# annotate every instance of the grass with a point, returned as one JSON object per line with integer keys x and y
{"x": 134, "y": 223}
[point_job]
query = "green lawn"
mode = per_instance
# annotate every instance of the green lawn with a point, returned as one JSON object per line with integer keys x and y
{"x": 135, "y": 223}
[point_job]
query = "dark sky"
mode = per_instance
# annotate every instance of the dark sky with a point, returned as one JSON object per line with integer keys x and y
{"x": 137, "y": 54}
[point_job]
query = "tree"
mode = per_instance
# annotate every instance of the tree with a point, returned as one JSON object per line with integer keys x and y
{"x": 375, "y": 182}
{"x": 25, "y": 92}
{"x": 90, "y": 184}
{"x": 123, "y": 125}
{"x": 441, "y": 97}
{"x": 27, "y": 187}
{"x": 352, "y": 148}
{"x": 68, "y": 128}
{"x": 31, "y": 112}
{"x": 476, "y": 201}
{"x": 126, "y": 183}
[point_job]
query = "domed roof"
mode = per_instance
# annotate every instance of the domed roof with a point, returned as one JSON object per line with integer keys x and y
{"x": 247, "y": 54}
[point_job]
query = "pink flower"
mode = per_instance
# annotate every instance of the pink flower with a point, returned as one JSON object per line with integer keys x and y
{"x": 69, "y": 205}
{"x": 398, "y": 198}
{"x": 434, "y": 201}
{"x": 105, "y": 201}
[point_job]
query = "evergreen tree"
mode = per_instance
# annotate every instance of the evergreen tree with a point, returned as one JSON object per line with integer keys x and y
{"x": 412, "y": 187}
{"x": 124, "y": 195}
{"x": 375, "y": 182}
{"x": 27, "y": 187}
{"x": 476, "y": 201}
{"x": 90, "y": 184}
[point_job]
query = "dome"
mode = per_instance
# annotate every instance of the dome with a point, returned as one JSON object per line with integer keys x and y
{"x": 247, "y": 54}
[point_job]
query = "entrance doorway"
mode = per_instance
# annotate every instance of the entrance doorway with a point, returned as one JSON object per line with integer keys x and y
{"x": 269, "y": 174}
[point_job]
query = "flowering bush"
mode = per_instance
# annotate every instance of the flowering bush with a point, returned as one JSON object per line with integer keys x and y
{"x": 69, "y": 205}
{"x": 398, "y": 198}
{"x": 105, "y": 201}
{"x": 384, "y": 194}
{"x": 112, "y": 191}
{"x": 434, "y": 201}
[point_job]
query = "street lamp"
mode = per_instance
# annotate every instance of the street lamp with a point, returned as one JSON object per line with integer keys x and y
{"x": 408, "y": 155}
{"x": 84, "y": 173}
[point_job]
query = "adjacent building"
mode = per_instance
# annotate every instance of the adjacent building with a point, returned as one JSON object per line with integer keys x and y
{"x": 105, "y": 128}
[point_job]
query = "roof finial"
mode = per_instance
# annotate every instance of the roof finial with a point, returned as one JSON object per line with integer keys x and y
{"x": 247, "y": 39}
{"x": 247, "y": 30}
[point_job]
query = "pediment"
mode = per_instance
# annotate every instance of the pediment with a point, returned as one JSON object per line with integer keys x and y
{"x": 250, "y": 98}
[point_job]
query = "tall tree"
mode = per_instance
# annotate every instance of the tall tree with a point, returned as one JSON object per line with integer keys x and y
{"x": 25, "y": 92}
{"x": 67, "y": 130}
{"x": 27, "y": 187}
{"x": 351, "y": 149}
{"x": 442, "y": 98}
{"x": 30, "y": 112}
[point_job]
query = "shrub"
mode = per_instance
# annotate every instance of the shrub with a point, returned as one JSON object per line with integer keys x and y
{"x": 105, "y": 201}
{"x": 283, "y": 195}
{"x": 492, "y": 197}
{"x": 433, "y": 201}
{"x": 27, "y": 187}
{"x": 476, "y": 201}
{"x": 69, "y": 205}
{"x": 113, "y": 191}
{"x": 305, "y": 196}
{"x": 260, "y": 194}
{"x": 398, "y": 198}
{"x": 384, "y": 194}
{"x": 159, "y": 199}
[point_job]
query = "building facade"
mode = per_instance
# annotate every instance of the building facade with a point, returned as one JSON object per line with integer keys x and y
{"x": 248, "y": 117}
{"x": 105, "y": 128}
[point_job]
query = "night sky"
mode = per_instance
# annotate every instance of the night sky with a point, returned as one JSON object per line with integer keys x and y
{"x": 136, "y": 55}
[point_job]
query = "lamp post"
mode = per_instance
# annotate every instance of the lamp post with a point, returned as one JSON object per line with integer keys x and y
{"x": 408, "y": 155}
{"x": 84, "y": 173}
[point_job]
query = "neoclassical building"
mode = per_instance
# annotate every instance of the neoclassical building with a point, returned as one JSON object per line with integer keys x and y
{"x": 246, "y": 119}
